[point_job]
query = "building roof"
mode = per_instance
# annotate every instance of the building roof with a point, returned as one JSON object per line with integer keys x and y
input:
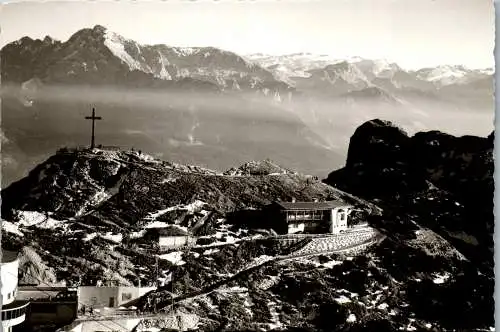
{"x": 171, "y": 231}
{"x": 8, "y": 256}
{"x": 328, "y": 205}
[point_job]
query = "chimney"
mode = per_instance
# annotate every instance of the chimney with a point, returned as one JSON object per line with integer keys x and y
{"x": 293, "y": 200}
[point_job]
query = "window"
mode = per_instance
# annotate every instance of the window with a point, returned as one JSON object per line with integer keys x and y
{"x": 126, "y": 296}
{"x": 342, "y": 216}
{"x": 8, "y": 296}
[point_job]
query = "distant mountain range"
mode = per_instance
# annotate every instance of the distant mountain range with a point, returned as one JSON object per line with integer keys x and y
{"x": 217, "y": 108}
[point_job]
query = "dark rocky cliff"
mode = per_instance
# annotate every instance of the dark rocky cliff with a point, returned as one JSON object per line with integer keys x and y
{"x": 438, "y": 180}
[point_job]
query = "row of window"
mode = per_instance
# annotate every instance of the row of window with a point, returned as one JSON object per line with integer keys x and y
{"x": 12, "y": 314}
{"x": 305, "y": 215}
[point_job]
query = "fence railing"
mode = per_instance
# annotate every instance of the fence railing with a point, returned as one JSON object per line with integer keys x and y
{"x": 15, "y": 312}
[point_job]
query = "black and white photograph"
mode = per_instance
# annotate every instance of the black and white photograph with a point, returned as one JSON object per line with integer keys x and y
{"x": 233, "y": 165}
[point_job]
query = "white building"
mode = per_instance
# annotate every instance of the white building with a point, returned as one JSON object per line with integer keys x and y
{"x": 311, "y": 217}
{"x": 172, "y": 237}
{"x": 13, "y": 311}
{"x": 109, "y": 296}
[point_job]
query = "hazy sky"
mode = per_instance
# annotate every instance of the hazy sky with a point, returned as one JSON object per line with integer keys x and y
{"x": 414, "y": 33}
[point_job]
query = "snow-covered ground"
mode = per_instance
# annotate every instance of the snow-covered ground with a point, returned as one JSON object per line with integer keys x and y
{"x": 173, "y": 257}
{"x": 38, "y": 219}
{"x": 11, "y": 228}
{"x": 351, "y": 318}
{"x": 342, "y": 299}
{"x": 441, "y": 278}
{"x": 150, "y": 220}
{"x": 117, "y": 238}
{"x": 136, "y": 235}
{"x": 210, "y": 251}
{"x": 89, "y": 237}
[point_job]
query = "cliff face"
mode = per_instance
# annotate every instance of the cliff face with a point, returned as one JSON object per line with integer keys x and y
{"x": 438, "y": 180}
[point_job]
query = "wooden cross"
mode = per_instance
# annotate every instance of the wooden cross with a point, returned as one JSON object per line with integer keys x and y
{"x": 93, "y": 118}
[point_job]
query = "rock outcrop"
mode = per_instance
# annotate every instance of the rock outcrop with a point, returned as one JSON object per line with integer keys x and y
{"x": 438, "y": 180}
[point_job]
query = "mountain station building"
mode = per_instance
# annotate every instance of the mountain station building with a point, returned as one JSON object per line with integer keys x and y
{"x": 311, "y": 217}
{"x": 14, "y": 311}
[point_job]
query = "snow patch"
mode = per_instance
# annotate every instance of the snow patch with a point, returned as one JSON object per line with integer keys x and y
{"x": 191, "y": 208}
{"x": 441, "y": 279}
{"x": 173, "y": 257}
{"x": 114, "y": 43}
{"x": 89, "y": 237}
{"x": 331, "y": 263}
{"x": 351, "y": 318}
{"x": 38, "y": 219}
{"x": 157, "y": 224}
{"x": 261, "y": 259}
{"x": 210, "y": 251}
{"x": 238, "y": 289}
{"x": 185, "y": 51}
{"x": 117, "y": 238}
{"x": 383, "y": 306}
{"x": 11, "y": 228}
{"x": 98, "y": 198}
{"x": 343, "y": 299}
{"x": 163, "y": 71}
{"x": 136, "y": 235}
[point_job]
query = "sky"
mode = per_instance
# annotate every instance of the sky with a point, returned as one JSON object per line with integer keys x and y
{"x": 413, "y": 33}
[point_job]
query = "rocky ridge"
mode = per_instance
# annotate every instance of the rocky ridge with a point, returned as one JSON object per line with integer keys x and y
{"x": 100, "y": 204}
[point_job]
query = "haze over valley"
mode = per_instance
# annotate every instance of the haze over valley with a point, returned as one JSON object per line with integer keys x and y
{"x": 216, "y": 108}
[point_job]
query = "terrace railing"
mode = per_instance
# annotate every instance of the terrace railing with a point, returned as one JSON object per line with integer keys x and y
{"x": 14, "y": 310}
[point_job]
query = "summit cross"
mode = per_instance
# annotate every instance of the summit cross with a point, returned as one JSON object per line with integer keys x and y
{"x": 93, "y": 118}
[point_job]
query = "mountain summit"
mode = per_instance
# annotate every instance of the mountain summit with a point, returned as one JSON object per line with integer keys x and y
{"x": 87, "y": 213}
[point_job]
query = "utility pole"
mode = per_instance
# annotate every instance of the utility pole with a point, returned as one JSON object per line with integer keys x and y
{"x": 157, "y": 275}
{"x": 93, "y": 118}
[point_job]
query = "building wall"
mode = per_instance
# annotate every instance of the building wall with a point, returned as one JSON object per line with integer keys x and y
{"x": 338, "y": 220}
{"x": 319, "y": 222}
{"x": 52, "y": 312}
{"x": 8, "y": 272}
{"x": 7, "y": 324}
{"x": 99, "y": 297}
{"x": 174, "y": 241}
{"x": 295, "y": 228}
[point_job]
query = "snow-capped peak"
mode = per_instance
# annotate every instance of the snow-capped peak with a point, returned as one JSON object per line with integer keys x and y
{"x": 185, "y": 51}
{"x": 446, "y": 72}
{"x": 116, "y": 45}
{"x": 487, "y": 71}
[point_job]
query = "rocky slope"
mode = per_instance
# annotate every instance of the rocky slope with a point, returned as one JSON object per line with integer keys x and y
{"x": 435, "y": 179}
{"x": 432, "y": 264}
{"x": 102, "y": 202}
{"x": 89, "y": 214}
